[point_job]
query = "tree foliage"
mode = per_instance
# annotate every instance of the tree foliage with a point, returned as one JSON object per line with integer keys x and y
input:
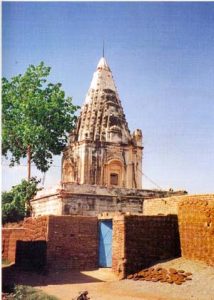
{"x": 16, "y": 202}
{"x": 35, "y": 113}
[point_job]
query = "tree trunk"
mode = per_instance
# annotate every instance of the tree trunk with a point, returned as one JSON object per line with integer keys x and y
{"x": 28, "y": 162}
{"x": 29, "y": 207}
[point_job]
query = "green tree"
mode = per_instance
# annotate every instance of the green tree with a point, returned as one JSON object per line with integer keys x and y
{"x": 16, "y": 202}
{"x": 36, "y": 118}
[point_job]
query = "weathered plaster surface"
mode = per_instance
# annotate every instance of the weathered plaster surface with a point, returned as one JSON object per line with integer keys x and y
{"x": 101, "y": 143}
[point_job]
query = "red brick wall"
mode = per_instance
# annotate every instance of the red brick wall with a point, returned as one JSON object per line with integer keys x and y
{"x": 5, "y": 242}
{"x": 118, "y": 246}
{"x": 145, "y": 239}
{"x": 9, "y": 238}
{"x": 72, "y": 242}
{"x": 196, "y": 227}
{"x": 33, "y": 229}
{"x": 37, "y": 228}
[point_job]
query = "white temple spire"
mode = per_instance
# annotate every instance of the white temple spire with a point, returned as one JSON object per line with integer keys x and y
{"x": 102, "y": 150}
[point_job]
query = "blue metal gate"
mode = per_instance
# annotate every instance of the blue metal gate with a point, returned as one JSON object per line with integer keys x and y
{"x": 105, "y": 243}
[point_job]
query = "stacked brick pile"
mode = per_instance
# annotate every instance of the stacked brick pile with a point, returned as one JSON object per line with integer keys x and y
{"x": 196, "y": 227}
{"x": 163, "y": 275}
{"x": 72, "y": 242}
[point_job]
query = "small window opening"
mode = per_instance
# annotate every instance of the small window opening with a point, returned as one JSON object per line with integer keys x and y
{"x": 113, "y": 179}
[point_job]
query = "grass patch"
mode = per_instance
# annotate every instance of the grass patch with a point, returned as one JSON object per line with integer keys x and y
{"x": 22, "y": 292}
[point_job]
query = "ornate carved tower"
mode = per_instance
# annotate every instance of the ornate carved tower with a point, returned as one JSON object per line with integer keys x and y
{"x": 101, "y": 149}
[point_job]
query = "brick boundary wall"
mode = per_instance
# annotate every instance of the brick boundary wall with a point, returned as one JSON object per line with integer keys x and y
{"x": 5, "y": 242}
{"x": 196, "y": 227}
{"x": 9, "y": 239}
{"x": 139, "y": 241}
{"x": 72, "y": 242}
{"x": 33, "y": 229}
{"x": 169, "y": 205}
{"x": 162, "y": 206}
{"x": 150, "y": 239}
{"x": 118, "y": 246}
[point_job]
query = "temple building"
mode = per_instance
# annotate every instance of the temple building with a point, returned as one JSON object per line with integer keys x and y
{"x": 99, "y": 216}
{"x": 101, "y": 149}
{"x": 102, "y": 163}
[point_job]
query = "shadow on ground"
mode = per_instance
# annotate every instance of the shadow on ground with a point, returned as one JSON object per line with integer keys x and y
{"x": 12, "y": 275}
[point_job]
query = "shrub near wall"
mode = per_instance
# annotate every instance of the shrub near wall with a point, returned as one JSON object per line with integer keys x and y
{"x": 196, "y": 228}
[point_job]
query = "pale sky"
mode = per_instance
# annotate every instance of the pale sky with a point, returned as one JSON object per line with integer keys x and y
{"x": 161, "y": 57}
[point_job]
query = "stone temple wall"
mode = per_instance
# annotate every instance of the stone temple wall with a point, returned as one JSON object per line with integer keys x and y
{"x": 89, "y": 200}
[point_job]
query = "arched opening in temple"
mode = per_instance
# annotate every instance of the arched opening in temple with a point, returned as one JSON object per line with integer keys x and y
{"x": 114, "y": 173}
{"x": 68, "y": 172}
{"x": 114, "y": 179}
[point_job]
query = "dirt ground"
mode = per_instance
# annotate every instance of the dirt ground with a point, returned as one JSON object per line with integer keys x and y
{"x": 103, "y": 285}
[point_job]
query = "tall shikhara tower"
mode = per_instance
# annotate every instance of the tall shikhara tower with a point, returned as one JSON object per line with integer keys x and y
{"x": 101, "y": 149}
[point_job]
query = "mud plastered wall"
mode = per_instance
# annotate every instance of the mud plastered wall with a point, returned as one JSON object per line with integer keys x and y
{"x": 196, "y": 228}
{"x": 72, "y": 242}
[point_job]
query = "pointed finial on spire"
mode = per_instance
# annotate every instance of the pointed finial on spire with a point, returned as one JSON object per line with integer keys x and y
{"x": 103, "y": 49}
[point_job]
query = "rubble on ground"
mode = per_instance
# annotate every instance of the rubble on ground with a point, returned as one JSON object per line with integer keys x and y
{"x": 163, "y": 275}
{"x": 82, "y": 296}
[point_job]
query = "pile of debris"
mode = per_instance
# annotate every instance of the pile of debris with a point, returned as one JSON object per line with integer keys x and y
{"x": 82, "y": 296}
{"x": 163, "y": 275}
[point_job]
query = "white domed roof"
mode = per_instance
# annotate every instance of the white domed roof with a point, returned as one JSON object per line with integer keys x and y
{"x": 102, "y": 79}
{"x": 102, "y": 111}
{"x": 103, "y": 64}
